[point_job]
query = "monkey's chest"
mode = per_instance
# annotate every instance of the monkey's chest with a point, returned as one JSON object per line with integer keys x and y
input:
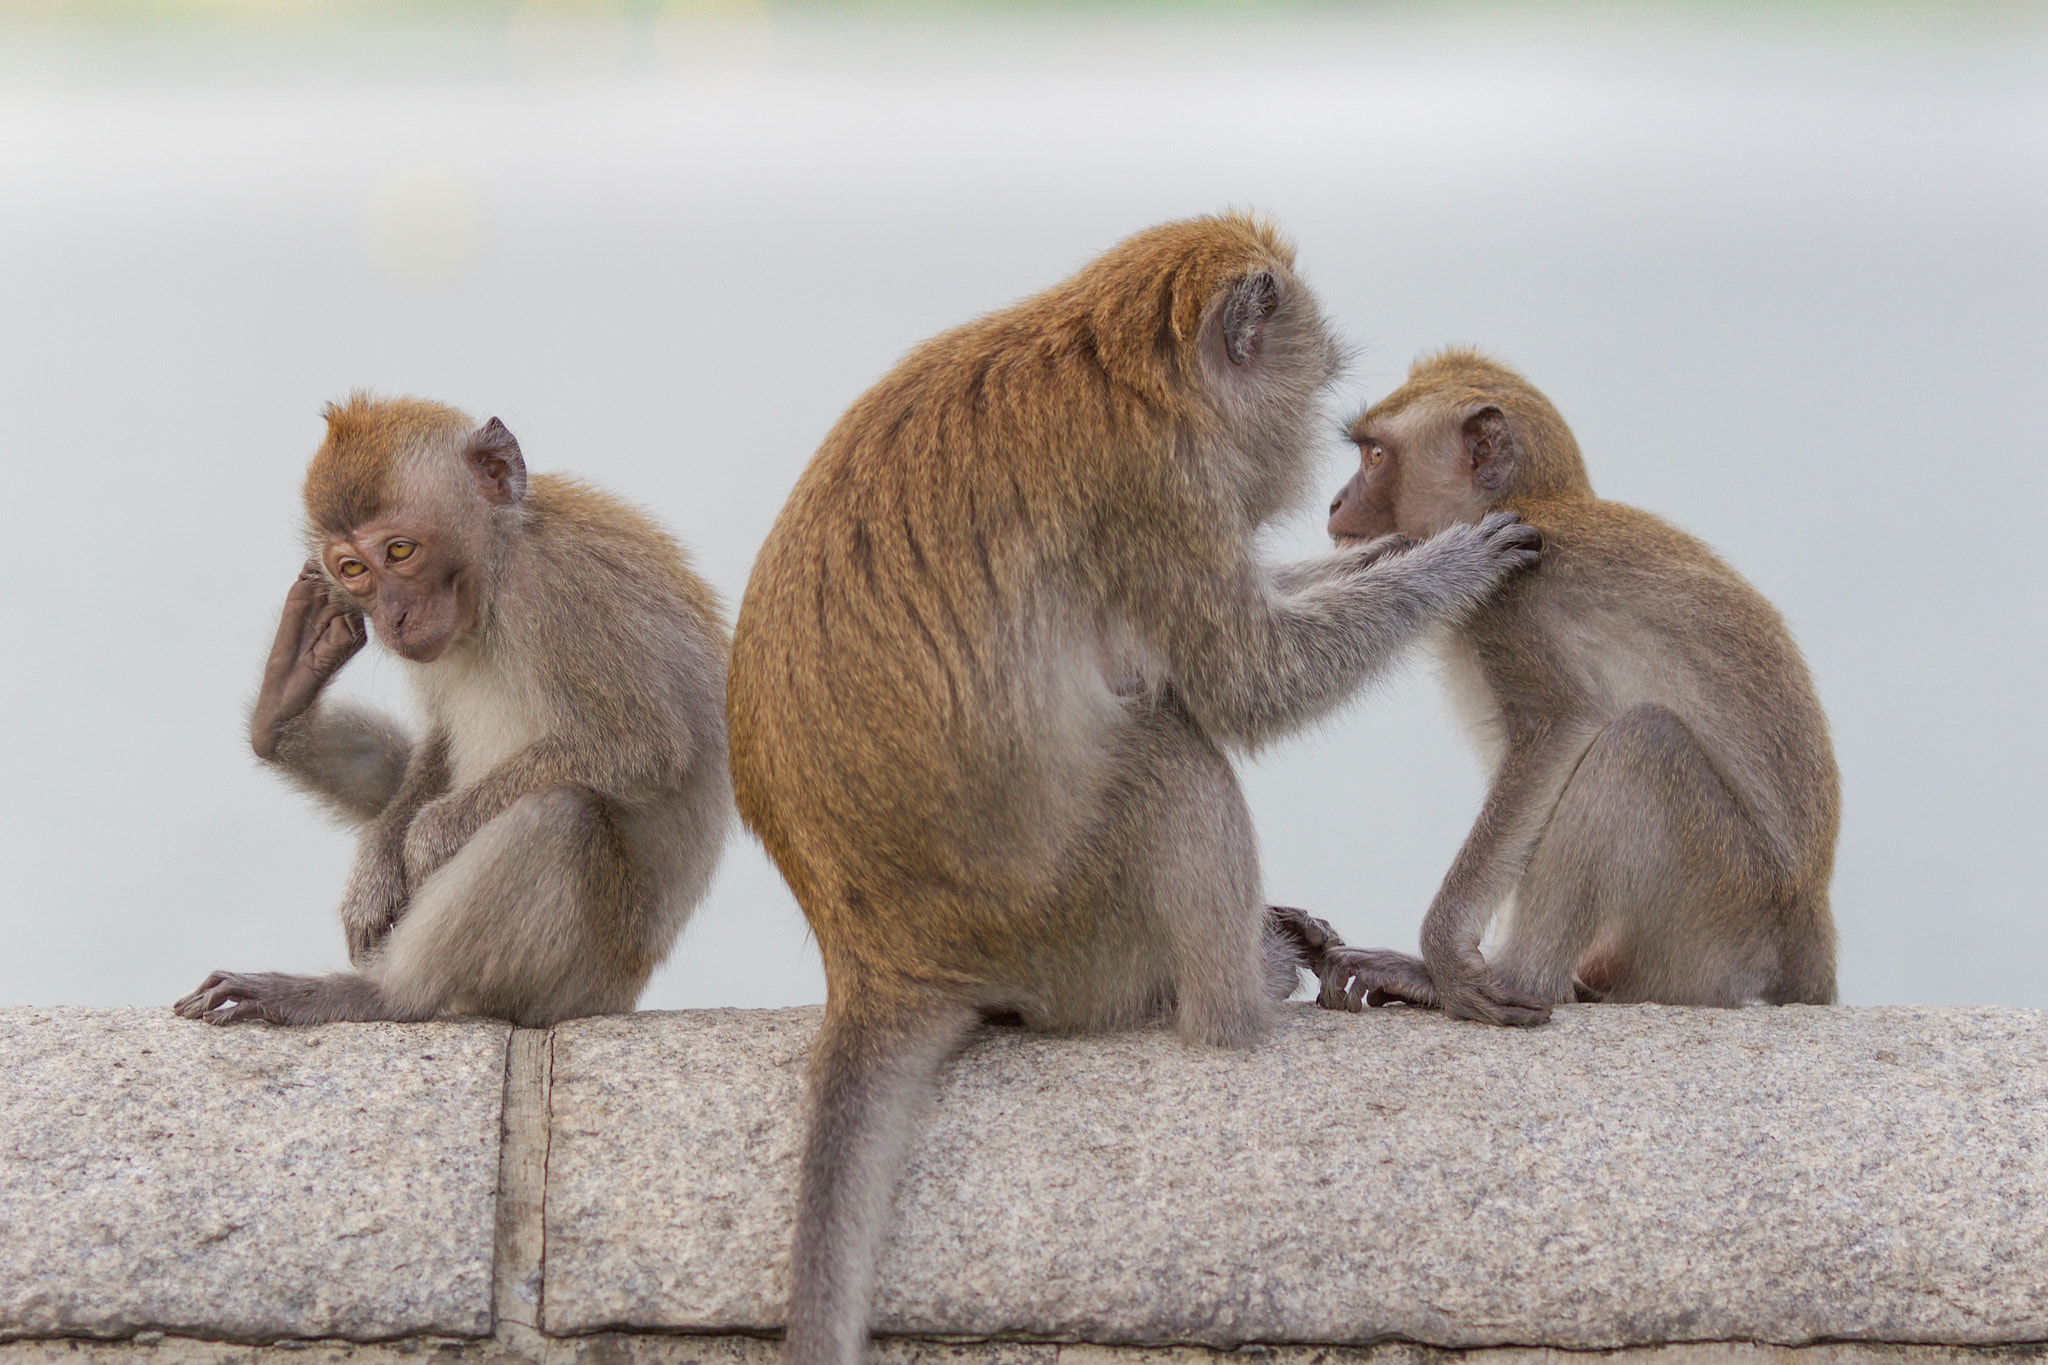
{"x": 488, "y": 718}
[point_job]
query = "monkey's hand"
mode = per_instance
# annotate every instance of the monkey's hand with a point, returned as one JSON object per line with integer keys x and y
{"x": 1510, "y": 541}
{"x": 232, "y": 997}
{"x": 367, "y": 923}
{"x": 1471, "y": 991}
{"x": 437, "y": 834}
{"x": 1474, "y": 559}
{"x": 315, "y": 637}
{"x": 378, "y": 895}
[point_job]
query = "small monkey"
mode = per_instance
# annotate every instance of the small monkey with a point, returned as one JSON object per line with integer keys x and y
{"x": 534, "y": 855}
{"x": 1661, "y": 824}
{"x": 988, "y": 670}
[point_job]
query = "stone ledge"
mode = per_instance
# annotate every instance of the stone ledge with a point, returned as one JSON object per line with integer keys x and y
{"x": 255, "y": 1182}
{"x": 1676, "y": 1187}
{"x": 654, "y": 1349}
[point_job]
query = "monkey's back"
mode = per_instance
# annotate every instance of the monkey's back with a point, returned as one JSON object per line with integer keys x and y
{"x": 1657, "y": 617}
{"x": 917, "y": 698}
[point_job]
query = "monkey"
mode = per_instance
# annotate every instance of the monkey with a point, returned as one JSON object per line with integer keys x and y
{"x": 533, "y": 855}
{"x": 990, "y": 664}
{"x": 1664, "y": 798}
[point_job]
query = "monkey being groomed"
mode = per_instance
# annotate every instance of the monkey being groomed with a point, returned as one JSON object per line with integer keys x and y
{"x": 1661, "y": 824}
{"x": 991, "y": 663}
{"x": 534, "y": 854}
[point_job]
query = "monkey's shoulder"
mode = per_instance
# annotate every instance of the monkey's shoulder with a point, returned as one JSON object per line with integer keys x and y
{"x": 574, "y": 521}
{"x": 1625, "y": 545}
{"x": 1616, "y": 580}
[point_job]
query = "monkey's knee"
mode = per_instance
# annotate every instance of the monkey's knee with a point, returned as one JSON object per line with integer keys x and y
{"x": 534, "y": 920}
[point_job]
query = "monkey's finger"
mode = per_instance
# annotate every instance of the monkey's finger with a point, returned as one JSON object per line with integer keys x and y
{"x": 198, "y": 1002}
{"x": 1331, "y": 996}
{"x": 236, "y": 1012}
{"x": 1507, "y": 1009}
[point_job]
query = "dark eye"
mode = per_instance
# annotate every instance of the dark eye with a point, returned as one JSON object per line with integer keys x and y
{"x": 1373, "y": 455}
{"x": 399, "y": 549}
{"x": 351, "y": 568}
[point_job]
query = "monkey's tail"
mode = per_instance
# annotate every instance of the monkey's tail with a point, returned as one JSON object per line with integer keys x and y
{"x": 871, "y": 1074}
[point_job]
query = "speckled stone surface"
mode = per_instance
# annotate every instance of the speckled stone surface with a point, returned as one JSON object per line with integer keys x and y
{"x": 1624, "y": 1176}
{"x": 248, "y": 1182}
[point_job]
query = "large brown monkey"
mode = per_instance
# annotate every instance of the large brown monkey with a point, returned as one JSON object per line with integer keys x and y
{"x": 534, "y": 855}
{"x": 1661, "y": 824}
{"x": 987, "y": 670}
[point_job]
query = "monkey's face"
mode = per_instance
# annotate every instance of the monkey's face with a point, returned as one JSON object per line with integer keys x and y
{"x": 1364, "y": 507}
{"x": 1421, "y": 467}
{"x": 407, "y": 580}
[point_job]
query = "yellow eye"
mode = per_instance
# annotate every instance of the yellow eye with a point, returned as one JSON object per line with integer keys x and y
{"x": 1373, "y": 456}
{"x": 400, "y": 549}
{"x": 352, "y": 568}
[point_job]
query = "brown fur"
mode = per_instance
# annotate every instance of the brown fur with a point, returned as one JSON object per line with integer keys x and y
{"x": 1665, "y": 802}
{"x": 366, "y": 439}
{"x": 988, "y": 667}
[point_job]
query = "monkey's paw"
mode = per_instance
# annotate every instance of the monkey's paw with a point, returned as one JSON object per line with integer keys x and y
{"x": 436, "y": 834}
{"x": 365, "y": 927}
{"x": 228, "y": 998}
{"x": 1510, "y": 538}
{"x": 1484, "y": 999}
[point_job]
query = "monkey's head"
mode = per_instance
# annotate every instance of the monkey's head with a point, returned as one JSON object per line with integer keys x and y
{"x": 1207, "y": 320}
{"x": 405, "y": 502}
{"x": 1462, "y": 437}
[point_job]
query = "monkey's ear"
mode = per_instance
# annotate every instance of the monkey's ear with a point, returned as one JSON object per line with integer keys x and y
{"x": 1245, "y": 313}
{"x": 493, "y": 455}
{"x": 1491, "y": 448}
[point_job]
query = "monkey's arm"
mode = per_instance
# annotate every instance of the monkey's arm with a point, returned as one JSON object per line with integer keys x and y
{"x": 604, "y": 770}
{"x": 350, "y": 759}
{"x": 1495, "y": 855}
{"x": 1289, "y": 579}
{"x": 379, "y": 890}
{"x": 1252, "y": 665}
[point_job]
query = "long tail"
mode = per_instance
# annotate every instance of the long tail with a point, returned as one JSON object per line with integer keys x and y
{"x": 871, "y": 1073}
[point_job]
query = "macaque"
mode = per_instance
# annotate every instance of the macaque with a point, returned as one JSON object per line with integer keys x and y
{"x": 1661, "y": 823}
{"x": 533, "y": 855}
{"x": 989, "y": 670}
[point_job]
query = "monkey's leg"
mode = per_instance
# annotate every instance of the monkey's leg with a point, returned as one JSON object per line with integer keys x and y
{"x": 536, "y": 919}
{"x": 533, "y": 921}
{"x": 871, "y": 1073}
{"x": 1649, "y": 881}
{"x": 1193, "y": 871}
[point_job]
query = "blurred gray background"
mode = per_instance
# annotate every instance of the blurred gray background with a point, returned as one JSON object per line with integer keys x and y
{"x": 1784, "y": 268}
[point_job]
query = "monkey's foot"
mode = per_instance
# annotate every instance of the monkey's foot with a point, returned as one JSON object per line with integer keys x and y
{"x": 230, "y": 998}
{"x": 1309, "y": 937}
{"x": 1355, "y": 978}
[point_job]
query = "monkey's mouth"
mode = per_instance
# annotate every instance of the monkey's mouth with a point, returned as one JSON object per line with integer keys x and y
{"x": 421, "y": 644}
